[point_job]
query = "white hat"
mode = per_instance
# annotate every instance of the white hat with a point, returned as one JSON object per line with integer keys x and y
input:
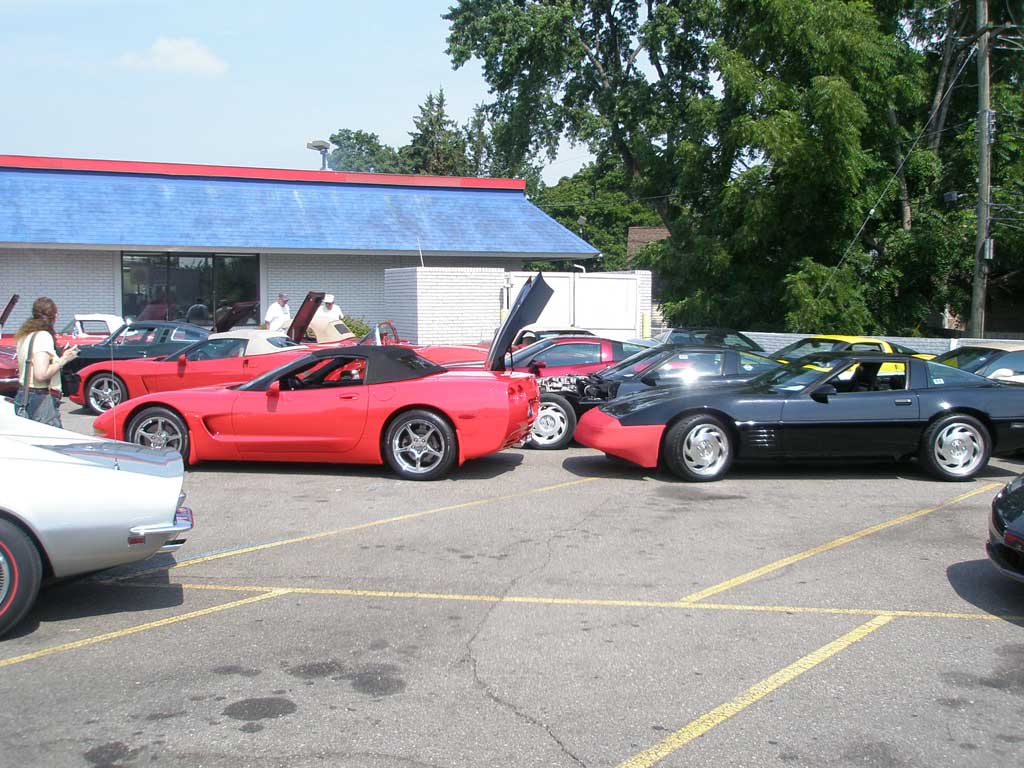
{"x": 329, "y": 298}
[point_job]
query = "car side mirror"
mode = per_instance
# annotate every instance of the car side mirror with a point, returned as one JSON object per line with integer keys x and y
{"x": 822, "y": 393}
{"x": 650, "y": 380}
{"x": 274, "y": 390}
{"x": 182, "y": 359}
{"x": 538, "y": 366}
{"x": 1001, "y": 373}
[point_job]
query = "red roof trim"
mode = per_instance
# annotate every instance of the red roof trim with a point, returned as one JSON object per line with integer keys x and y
{"x": 268, "y": 174}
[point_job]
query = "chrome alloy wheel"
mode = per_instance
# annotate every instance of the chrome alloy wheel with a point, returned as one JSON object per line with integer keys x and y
{"x": 418, "y": 446}
{"x": 158, "y": 432}
{"x": 5, "y": 577}
{"x": 104, "y": 392}
{"x": 959, "y": 448}
{"x": 550, "y": 424}
{"x": 705, "y": 450}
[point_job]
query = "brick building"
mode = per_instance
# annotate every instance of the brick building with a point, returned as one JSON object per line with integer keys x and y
{"x": 158, "y": 239}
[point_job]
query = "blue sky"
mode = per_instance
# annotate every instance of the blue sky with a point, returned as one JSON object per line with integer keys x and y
{"x": 221, "y": 81}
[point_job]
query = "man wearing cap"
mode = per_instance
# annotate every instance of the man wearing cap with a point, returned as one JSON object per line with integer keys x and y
{"x": 279, "y": 316}
{"x": 328, "y": 310}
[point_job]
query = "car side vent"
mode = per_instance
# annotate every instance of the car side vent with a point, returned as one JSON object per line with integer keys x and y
{"x": 761, "y": 438}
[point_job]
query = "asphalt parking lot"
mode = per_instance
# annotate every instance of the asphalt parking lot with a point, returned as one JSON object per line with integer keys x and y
{"x": 537, "y": 609}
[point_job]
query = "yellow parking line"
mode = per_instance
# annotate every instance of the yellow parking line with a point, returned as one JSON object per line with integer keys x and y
{"x": 772, "y": 567}
{"x": 139, "y": 628}
{"x": 599, "y": 602}
{"x": 351, "y": 529}
{"x": 721, "y": 713}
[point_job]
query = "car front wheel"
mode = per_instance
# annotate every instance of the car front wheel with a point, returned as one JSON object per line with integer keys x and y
{"x": 698, "y": 448}
{"x": 955, "y": 447}
{"x": 103, "y": 391}
{"x": 555, "y": 423}
{"x": 159, "y": 428}
{"x": 21, "y": 572}
{"x": 420, "y": 445}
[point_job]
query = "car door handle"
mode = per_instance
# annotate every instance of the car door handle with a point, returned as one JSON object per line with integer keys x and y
{"x": 348, "y": 397}
{"x": 903, "y": 401}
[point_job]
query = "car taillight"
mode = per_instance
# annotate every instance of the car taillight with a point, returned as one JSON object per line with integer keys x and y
{"x": 1014, "y": 541}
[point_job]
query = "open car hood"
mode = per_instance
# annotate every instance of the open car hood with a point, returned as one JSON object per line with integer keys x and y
{"x": 300, "y": 323}
{"x": 530, "y": 302}
{"x": 8, "y": 309}
{"x": 237, "y": 313}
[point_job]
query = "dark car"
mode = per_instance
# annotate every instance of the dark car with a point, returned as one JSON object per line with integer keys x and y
{"x": 1003, "y": 360}
{"x": 828, "y": 406}
{"x": 1006, "y": 530}
{"x": 553, "y": 359}
{"x": 709, "y": 337}
{"x": 672, "y": 365}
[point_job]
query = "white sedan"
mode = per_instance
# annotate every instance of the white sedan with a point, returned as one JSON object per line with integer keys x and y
{"x": 71, "y": 505}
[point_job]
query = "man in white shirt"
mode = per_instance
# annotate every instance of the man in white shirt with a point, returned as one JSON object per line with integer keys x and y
{"x": 328, "y": 310}
{"x": 279, "y": 316}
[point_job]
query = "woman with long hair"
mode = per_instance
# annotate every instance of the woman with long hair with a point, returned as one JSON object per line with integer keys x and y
{"x": 39, "y": 365}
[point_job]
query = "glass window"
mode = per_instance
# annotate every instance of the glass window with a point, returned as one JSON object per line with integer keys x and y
{"x": 281, "y": 341}
{"x": 971, "y": 359}
{"x": 578, "y": 353}
{"x": 1013, "y": 361}
{"x": 903, "y": 350}
{"x": 684, "y": 367}
{"x": 864, "y": 346}
{"x": 940, "y": 375}
{"x": 136, "y": 335}
{"x": 95, "y": 327}
{"x": 809, "y": 347}
{"x": 217, "y": 349}
{"x": 756, "y": 364}
{"x": 872, "y": 377}
{"x": 186, "y": 334}
{"x": 795, "y": 376}
{"x": 621, "y": 350}
{"x": 189, "y": 288}
{"x": 332, "y": 372}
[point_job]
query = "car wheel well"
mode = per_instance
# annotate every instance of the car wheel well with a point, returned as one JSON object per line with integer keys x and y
{"x": 16, "y": 521}
{"x": 405, "y": 409}
{"x": 979, "y": 415}
{"x": 726, "y": 420}
{"x": 143, "y": 406}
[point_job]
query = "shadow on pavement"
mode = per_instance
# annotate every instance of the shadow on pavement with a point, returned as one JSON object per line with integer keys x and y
{"x": 609, "y": 466}
{"x": 79, "y": 598}
{"x": 981, "y": 585}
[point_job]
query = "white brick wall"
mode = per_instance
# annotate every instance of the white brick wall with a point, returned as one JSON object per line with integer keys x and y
{"x": 446, "y": 305}
{"x": 78, "y": 281}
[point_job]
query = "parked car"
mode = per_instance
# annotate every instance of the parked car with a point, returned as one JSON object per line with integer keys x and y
{"x": 565, "y": 398}
{"x": 1005, "y": 545}
{"x": 813, "y": 345}
{"x": 363, "y": 404}
{"x": 952, "y": 421}
{"x": 712, "y": 337}
{"x": 114, "y": 504}
{"x": 1002, "y": 360}
{"x": 220, "y": 358}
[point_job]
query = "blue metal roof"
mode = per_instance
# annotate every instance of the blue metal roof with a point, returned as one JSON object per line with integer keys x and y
{"x": 129, "y": 211}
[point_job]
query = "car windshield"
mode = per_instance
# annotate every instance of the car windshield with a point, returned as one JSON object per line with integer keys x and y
{"x": 797, "y": 375}
{"x": 970, "y": 359}
{"x": 809, "y": 347}
{"x": 635, "y": 365}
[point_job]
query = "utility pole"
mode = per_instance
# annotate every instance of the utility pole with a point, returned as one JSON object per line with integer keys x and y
{"x": 983, "y": 243}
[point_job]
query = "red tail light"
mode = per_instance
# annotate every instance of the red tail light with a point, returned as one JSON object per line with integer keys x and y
{"x": 1013, "y": 540}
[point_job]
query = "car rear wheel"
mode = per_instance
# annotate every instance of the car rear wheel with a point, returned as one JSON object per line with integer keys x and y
{"x": 555, "y": 423}
{"x": 698, "y": 448}
{"x": 21, "y": 572}
{"x": 420, "y": 445}
{"x": 103, "y": 391}
{"x": 955, "y": 447}
{"x": 159, "y": 428}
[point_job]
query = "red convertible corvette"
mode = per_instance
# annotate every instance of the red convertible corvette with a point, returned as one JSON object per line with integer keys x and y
{"x": 352, "y": 405}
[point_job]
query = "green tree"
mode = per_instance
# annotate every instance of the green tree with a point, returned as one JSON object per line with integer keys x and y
{"x": 356, "y": 150}
{"x": 437, "y": 146}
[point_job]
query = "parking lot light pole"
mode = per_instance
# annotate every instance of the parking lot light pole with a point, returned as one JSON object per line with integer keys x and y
{"x": 983, "y": 242}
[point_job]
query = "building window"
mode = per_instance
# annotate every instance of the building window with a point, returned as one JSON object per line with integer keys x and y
{"x": 160, "y": 286}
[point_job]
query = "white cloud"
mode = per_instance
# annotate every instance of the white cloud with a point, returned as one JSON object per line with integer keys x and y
{"x": 181, "y": 55}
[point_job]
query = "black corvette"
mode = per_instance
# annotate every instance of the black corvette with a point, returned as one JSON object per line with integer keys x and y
{"x": 1006, "y": 530}
{"x": 830, "y": 406}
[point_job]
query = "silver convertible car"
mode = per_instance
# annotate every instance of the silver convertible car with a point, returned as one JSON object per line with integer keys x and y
{"x": 71, "y": 505}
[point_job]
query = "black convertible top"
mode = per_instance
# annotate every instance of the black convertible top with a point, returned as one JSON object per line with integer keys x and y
{"x": 384, "y": 365}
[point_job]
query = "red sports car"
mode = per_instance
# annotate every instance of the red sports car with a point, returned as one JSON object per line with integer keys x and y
{"x": 361, "y": 404}
{"x": 221, "y": 358}
{"x": 352, "y": 405}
